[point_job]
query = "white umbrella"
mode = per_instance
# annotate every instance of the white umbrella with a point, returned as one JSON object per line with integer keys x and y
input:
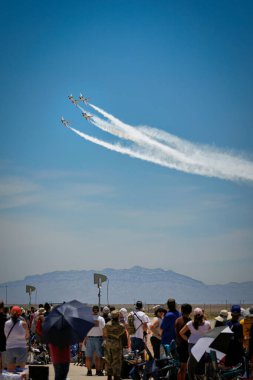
{"x": 213, "y": 340}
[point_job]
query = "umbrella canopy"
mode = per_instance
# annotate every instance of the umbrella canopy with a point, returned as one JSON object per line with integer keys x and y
{"x": 222, "y": 336}
{"x": 67, "y": 323}
{"x": 217, "y": 339}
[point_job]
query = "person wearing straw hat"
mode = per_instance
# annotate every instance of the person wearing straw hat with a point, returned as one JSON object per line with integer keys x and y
{"x": 222, "y": 318}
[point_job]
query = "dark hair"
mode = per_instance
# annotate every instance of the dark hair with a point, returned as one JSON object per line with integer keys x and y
{"x": 139, "y": 305}
{"x": 198, "y": 321}
{"x": 95, "y": 307}
{"x": 171, "y": 303}
{"x": 186, "y": 308}
{"x": 160, "y": 310}
{"x": 1, "y": 304}
{"x": 47, "y": 307}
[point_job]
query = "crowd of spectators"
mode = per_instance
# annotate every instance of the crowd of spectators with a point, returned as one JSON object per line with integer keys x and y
{"x": 112, "y": 336}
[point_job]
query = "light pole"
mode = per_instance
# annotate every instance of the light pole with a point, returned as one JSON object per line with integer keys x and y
{"x": 98, "y": 279}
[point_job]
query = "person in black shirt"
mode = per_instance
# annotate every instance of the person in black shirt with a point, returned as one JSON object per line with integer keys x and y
{"x": 235, "y": 352}
{"x": 3, "y": 319}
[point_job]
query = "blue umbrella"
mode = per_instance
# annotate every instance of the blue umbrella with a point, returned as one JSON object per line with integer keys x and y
{"x": 67, "y": 324}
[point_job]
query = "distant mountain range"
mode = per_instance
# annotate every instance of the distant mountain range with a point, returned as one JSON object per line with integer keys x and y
{"x": 124, "y": 286}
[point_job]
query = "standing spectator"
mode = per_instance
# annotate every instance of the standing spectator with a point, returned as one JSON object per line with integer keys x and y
{"x": 141, "y": 321}
{"x": 17, "y": 333}
{"x": 47, "y": 308}
{"x": 123, "y": 319}
{"x": 93, "y": 342}
{"x": 60, "y": 357}
{"x": 34, "y": 317}
{"x": 123, "y": 316}
{"x": 106, "y": 314}
{"x": 39, "y": 319}
{"x": 182, "y": 345}
{"x": 168, "y": 323}
{"x": 250, "y": 350}
{"x": 221, "y": 319}
{"x": 156, "y": 331}
{"x": 197, "y": 328}
{"x": 235, "y": 351}
{"x": 3, "y": 319}
{"x": 115, "y": 338}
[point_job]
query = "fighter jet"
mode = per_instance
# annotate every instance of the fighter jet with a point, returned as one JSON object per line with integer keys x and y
{"x": 83, "y": 99}
{"x": 74, "y": 101}
{"x": 86, "y": 116}
{"x": 66, "y": 123}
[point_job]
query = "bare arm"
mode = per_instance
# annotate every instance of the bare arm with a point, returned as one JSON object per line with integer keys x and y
{"x": 154, "y": 325}
{"x": 183, "y": 331}
{"x": 25, "y": 326}
{"x": 145, "y": 326}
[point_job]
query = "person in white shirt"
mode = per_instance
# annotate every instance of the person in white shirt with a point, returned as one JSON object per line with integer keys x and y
{"x": 197, "y": 328}
{"x": 93, "y": 342}
{"x": 17, "y": 333}
{"x": 141, "y": 321}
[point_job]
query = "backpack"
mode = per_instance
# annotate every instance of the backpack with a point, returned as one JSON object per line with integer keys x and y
{"x": 130, "y": 324}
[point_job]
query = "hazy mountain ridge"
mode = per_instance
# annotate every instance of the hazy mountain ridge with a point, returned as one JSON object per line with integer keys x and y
{"x": 124, "y": 286}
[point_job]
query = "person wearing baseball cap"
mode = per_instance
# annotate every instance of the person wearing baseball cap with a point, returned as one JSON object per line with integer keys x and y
{"x": 141, "y": 321}
{"x": 93, "y": 342}
{"x": 17, "y": 333}
{"x": 235, "y": 352}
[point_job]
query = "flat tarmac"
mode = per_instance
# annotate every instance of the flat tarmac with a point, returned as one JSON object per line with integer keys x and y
{"x": 76, "y": 373}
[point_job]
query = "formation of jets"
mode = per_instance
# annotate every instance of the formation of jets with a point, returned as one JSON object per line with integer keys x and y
{"x": 83, "y": 99}
{"x": 87, "y": 116}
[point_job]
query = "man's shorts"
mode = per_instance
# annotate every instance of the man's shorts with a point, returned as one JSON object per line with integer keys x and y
{"x": 94, "y": 344}
{"x": 16, "y": 355}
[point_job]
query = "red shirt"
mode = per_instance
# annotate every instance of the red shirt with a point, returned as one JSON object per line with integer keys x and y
{"x": 59, "y": 354}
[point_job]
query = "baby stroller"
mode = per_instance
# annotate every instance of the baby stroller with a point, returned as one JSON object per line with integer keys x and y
{"x": 38, "y": 354}
{"x": 151, "y": 368}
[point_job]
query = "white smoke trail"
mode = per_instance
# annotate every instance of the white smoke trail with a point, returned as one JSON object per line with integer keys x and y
{"x": 123, "y": 150}
{"x": 210, "y": 157}
{"x": 106, "y": 126}
{"x": 142, "y": 139}
{"x": 164, "y": 149}
{"x": 186, "y": 156}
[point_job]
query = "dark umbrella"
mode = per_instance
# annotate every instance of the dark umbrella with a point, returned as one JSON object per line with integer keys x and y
{"x": 216, "y": 339}
{"x": 221, "y": 338}
{"x": 67, "y": 323}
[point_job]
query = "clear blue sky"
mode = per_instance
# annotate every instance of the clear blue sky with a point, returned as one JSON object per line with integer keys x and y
{"x": 183, "y": 67}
